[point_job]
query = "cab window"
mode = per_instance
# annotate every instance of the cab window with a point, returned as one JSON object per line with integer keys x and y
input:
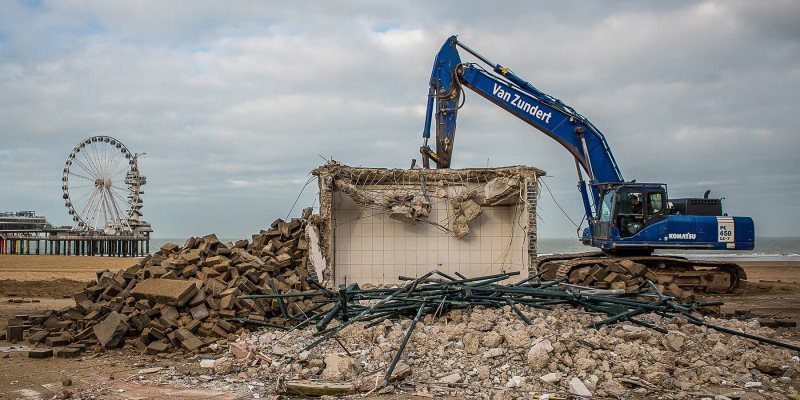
{"x": 655, "y": 203}
{"x": 630, "y": 219}
{"x": 605, "y": 205}
{"x": 629, "y": 203}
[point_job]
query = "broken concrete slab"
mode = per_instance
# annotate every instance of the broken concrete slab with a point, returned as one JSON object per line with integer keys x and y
{"x": 318, "y": 388}
{"x": 401, "y": 371}
{"x": 199, "y": 312}
{"x": 500, "y": 189}
{"x": 578, "y": 388}
{"x": 38, "y": 337}
{"x": 165, "y": 291}
{"x": 188, "y": 340}
{"x": 157, "y": 348}
{"x": 111, "y": 331}
{"x": 338, "y": 367}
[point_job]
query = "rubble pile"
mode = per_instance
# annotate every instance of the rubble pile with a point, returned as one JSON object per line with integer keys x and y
{"x": 491, "y": 353}
{"x": 180, "y": 299}
{"x": 628, "y": 276}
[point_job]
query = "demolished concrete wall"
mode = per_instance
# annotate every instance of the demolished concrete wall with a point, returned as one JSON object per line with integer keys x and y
{"x": 379, "y": 224}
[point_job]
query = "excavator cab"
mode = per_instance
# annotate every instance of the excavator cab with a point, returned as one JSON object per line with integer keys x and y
{"x": 626, "y": 209}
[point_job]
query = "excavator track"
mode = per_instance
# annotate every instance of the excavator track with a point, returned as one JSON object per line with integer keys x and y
{"x": 690, "y": 275}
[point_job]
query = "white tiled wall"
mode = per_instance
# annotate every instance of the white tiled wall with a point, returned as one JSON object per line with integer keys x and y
{"x": 371, "y": 247}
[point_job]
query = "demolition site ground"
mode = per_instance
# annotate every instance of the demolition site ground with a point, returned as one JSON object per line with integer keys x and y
{"x": 33, "y": 283}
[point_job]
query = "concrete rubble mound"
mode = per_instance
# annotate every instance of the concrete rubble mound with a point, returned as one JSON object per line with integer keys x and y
{"x": 490, "y": 353}
{"x": 180, "y": 300}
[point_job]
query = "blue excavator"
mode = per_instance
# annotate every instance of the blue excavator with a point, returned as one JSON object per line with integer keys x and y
{"x": 625, "y": 218}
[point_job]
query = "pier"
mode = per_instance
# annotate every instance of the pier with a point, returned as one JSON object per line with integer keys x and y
{"x": 24, "y": 232}
{"x": 75, "y": 245}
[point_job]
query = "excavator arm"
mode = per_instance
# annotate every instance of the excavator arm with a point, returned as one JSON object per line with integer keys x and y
{"x": 502, "y": 87}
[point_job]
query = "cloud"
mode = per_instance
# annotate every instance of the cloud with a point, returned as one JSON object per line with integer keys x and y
{"x": 235, "y": 103}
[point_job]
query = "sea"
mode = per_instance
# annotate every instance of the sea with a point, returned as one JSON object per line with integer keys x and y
{"x": 766, "y": 249}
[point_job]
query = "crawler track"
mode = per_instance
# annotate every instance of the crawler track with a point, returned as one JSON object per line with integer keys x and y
{"x": 695, "y": 275}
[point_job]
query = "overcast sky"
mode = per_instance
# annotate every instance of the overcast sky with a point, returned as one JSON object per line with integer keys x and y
{"x": 236, "y": 102}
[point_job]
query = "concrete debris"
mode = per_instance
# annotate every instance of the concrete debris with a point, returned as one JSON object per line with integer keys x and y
{"x": 339, "y": 368}
{"x": 627, "y": 276}
{"x": 578, "y": 388}
{"x": 316, "y": 388}
{"x": 40, "y": 353}
{"x": 402, "y": 205}
{"x": 111, "y": 331}
{"x": 552, "y": 377}
{"x": 452, "y": 378}
{"x": 207, "y": 363}
{"x": 316, "y": 258}
{"x": 673, "y": 341}
{"x": 465, "y": 210}
{"x": 401, "y": 371}
{"x": 165, "y": 291}
{"x": 499, "y": 189}
{"x": 15, "y": 333}
{"x": 437, "y": 356}
{"x": 181, "y": 300}
{"x": 539, "y": 354}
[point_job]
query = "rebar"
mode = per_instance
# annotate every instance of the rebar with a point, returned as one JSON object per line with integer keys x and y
{"x": 439, "y": 295}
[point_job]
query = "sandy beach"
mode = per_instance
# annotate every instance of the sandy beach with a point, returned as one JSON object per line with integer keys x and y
{"x": 773, "y": 286}
{"x": 29, "y": 283}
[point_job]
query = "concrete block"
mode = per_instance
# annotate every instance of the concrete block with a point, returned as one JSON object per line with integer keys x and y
{"x": 170, "y": 312}
{"x": 168, "y": 322}
{"x": 618, "y": 285}
{"x": 226, "y": 325}
{"x": 85, "y": 333}
{"x": 37, "y": 337}
{"x": 139, "y": 321}
{"x": 215, "y": 286}
{"x": 610, "y": 277}
{"x": 199, "y": 312}
{"x": 111, "y": 332}
{"x": 189, "y": 341}
{"x": 228, "y": 302}
{"x": 174, "y": 339}
{"x": 498, "y": 189}
{"x": 40, "y": 353}
{"x": 141, "y": 345}
{"x": 165, "y": 291}
{"x": 92, "y": 316}
{"x": 191, "y": 256}
{"x": 14, "y": 333}
{"x": 68, "y": 352}
{"x": 55, "y": 341}
{"x": 194, "y": 325}
{"x": 219, "y": 331}
{"x": 81, "y": 296}
{"x": 157, "y": 347}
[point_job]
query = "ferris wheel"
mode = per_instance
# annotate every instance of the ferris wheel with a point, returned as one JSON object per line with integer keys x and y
{"x": 102, "y": 186}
